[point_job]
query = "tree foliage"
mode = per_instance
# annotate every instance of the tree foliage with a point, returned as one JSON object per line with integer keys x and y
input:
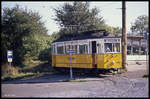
{"x": 37, "y": 47}
{"x": 140, "y": 25}
{"x": 77, "y": 17}
{"x": 21, "y": 32}
{"x": 113, "y": 30}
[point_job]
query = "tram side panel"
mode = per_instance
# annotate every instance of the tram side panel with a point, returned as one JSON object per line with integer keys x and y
{"x": 82, "y": 61}
{"x": 53, "y": 60}
{"x": 100, "y": 61}
{"x": 78, "y": 61}
{"x": 103, "y": 61}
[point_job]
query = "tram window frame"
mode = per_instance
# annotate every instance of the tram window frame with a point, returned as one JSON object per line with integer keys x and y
{"x": 112, "y": 48}
{"x": 118, "y": 45}
{"x": 67, "y": 48}
{"x": 58, "y": 50}
{"x": 73, "y": 48}
{"x": 99, "y": 48}
{"x": 53, "y": 49}
{"x": 84, "y": 49}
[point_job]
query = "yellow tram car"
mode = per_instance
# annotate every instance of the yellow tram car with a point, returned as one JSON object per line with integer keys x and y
{"x": 93, "y": 50}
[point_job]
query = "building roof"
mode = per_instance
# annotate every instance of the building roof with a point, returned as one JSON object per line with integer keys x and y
{"x": 135, "y": 37}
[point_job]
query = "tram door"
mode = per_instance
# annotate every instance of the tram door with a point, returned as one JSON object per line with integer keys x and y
{"x": 94, "y": 54}
{"x": 93, "y": 47}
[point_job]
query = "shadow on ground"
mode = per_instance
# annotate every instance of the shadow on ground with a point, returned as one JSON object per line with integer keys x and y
{"x": 53, "y": 77}
{"x": 43, "y": 67}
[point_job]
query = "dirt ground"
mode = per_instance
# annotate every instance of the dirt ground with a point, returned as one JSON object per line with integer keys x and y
{"x": 129, "y": 84}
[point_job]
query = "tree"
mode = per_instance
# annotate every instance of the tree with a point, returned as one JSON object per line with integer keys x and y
{"x": 111, "y": 29}
{"x": 77, "y": 17}
{"x": 18, "y": 23}
{"x": 140, "y": 25}
{"x": 37, "y": 47}
{"x": 117, "y": 30}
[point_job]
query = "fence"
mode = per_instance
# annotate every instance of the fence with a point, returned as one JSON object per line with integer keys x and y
{"x": 136, "y": 57}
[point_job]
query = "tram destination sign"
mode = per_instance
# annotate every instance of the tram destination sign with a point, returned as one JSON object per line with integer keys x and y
{"x": 112, "y": 40}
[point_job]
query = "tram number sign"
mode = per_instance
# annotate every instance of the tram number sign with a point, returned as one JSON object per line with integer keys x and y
{"x": 9, "y": 56}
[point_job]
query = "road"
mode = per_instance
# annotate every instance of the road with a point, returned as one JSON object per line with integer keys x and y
{"x": 130, "y": 84}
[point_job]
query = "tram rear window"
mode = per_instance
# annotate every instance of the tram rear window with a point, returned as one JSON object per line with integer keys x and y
{"x": 60, "y": 50}
{"x": 53, "y": 49}
{"x": 112, "y": 47}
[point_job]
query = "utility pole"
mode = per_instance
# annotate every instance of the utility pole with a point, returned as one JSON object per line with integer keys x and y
{"x": 124, "y": 37}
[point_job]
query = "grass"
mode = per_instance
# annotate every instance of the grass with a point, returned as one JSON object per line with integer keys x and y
{"x": 31, "y": 70}
{"x": 23, "y": 76}
{"x": 16, "y": 76}
{"x": 37, "y": 66}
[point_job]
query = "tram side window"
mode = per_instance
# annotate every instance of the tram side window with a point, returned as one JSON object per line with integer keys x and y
{"x": 83, "y": 49}
{"x": 60, "y": 50}
{"x": 74, "y": 47}
{"x": 67, "y": 47}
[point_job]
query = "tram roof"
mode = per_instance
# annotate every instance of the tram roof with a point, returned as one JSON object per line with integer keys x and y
{"x": 85, "y": 35}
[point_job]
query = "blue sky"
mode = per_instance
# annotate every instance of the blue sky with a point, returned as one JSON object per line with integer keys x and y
{"x": 110, "y": 11}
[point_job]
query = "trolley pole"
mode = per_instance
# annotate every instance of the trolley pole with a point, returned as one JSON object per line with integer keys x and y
{"x": 124, "y": 37}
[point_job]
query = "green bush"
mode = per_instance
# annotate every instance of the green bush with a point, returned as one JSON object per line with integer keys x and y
{"x": 45, "y": 55}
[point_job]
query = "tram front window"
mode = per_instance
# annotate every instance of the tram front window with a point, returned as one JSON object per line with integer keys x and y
{"x": 108, "y": 47}
{"x": 117, "y": 47}
{"x": 112, "y": 47}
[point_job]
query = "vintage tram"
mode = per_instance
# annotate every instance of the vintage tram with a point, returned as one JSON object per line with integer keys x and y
{"x": 93, "y": 50}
